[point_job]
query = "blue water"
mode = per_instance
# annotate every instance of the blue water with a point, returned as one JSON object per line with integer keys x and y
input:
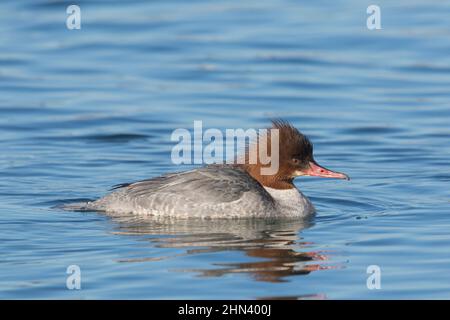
{"x": 82, "y": 110}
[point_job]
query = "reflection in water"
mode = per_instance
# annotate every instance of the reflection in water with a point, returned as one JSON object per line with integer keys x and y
{"x": 319, "y": 296}
{"x": 273, "y": 249}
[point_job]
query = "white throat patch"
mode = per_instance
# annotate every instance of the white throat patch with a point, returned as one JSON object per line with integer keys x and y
{"x": 291, "y": 202}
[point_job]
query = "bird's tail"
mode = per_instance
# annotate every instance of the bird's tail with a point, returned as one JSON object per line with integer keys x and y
{"x": 77, "y": 206}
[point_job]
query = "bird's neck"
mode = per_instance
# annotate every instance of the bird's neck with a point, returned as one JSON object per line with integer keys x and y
{"x": 276, "y": 181}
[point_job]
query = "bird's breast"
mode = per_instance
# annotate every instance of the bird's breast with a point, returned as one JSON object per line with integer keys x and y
{"x": 291, "y": 202}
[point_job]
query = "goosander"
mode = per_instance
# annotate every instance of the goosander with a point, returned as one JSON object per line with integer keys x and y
{"x": 225, "y": 190}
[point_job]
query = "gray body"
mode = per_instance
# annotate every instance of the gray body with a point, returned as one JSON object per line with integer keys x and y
{"x": 217, "y": 191}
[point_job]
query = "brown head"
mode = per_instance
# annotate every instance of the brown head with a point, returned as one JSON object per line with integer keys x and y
{"x": 295, "y": 159}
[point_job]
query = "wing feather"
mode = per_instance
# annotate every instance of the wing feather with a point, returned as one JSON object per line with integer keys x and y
{"x": 206, "y": 184}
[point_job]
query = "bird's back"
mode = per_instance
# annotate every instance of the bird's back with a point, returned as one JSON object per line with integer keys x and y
{"x": 212, "y": 191}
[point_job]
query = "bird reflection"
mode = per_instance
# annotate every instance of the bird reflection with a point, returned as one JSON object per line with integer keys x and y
{"x": 273, "y": 248}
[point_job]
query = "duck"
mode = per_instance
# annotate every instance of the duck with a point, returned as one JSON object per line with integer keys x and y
{"x": 237, "y": 190}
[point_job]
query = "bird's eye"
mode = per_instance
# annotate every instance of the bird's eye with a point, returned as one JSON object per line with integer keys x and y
{"x": 296, "y": 161}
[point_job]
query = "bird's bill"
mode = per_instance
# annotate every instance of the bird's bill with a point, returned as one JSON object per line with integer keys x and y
{"x": 315, "y": 170}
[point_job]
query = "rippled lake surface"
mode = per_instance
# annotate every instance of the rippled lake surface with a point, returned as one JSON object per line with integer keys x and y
{"x": 82, "y": 110}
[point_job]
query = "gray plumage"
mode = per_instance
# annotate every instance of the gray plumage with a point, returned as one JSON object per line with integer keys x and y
{"x": 212, "y": 191}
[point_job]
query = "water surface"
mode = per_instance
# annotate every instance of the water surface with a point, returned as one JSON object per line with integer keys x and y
{"x": 86, "y": 109}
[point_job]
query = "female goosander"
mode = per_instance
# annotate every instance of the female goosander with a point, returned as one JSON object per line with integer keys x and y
{"x": 225, "y": 191}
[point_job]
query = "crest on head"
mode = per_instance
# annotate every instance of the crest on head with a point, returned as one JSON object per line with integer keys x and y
{"x": 295, "y": 148}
